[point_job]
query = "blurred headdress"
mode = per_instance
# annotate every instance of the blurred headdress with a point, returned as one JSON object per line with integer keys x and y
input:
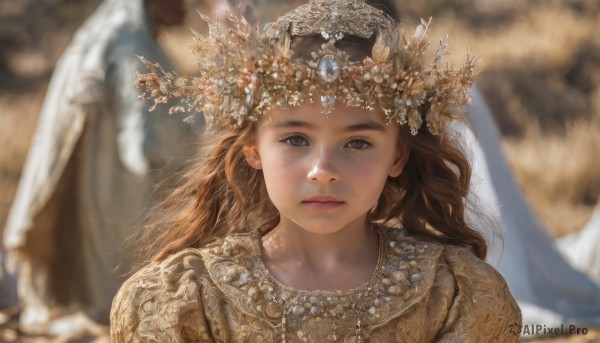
{"x": 244, "y": 72}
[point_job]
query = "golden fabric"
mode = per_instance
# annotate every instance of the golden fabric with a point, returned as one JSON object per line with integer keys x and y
{"x": 421, "y": 291}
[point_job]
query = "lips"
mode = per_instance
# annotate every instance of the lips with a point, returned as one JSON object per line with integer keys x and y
{"x": 323, "y": 202}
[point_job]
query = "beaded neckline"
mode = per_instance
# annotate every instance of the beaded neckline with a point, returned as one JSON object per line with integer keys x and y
{"x": 405, "y": 270}
{"x": 296, "y": 305}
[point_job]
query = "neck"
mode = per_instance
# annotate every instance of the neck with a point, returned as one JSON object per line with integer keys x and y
{"x": 289, "y": 249}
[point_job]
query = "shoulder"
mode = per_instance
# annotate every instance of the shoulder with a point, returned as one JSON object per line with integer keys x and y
{"x": 176, "y": 270}
{"x": 483, "y": 309}
{"x": 463, "y": 263}
{"x": 458, "y": 262}
{"x": 233, "y": 246}
{"x": 476, "y": 276}
{"x": 158, "y": 299}
{"x": 473, "y": 302}
{"x": 472, "y": 277}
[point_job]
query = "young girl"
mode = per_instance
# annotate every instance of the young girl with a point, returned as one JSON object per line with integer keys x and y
{"x": 331, "y": 204}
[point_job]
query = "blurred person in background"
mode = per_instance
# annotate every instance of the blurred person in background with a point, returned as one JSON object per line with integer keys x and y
{"x": 96, "y": 157}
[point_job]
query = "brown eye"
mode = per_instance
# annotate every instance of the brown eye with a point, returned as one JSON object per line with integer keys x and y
{"x": 296, "y": 141}
{"x": 358, "y": 144}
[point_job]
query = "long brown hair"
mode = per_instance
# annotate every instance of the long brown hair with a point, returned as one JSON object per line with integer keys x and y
{"x": 430, "y": 195}
{"x": 221, "y": 194}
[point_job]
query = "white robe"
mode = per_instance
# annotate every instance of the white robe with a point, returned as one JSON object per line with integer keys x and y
{"x": 548, "y": 289}
{"x": 582, "y": 249}
{"x": 89, "y": 174}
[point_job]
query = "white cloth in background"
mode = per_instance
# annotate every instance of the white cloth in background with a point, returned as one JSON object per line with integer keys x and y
{"x": 89, "y": 174}
{"x": 8, "y": 283}
{"x": 549, "y": 290}
{"x": 582, "y": 249}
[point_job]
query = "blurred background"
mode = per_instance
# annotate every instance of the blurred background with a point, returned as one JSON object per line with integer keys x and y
{"x": 539, "y": 71}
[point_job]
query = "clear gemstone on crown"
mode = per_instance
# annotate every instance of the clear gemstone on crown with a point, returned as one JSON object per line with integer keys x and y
{"x": 329, "y": 68}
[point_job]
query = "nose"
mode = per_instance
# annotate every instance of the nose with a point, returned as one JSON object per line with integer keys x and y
{"x": 323, "y": 169}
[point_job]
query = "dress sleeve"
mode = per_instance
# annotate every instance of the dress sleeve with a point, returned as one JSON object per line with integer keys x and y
{"x": 483, "y": 310}
{"x": 160, "y": 303}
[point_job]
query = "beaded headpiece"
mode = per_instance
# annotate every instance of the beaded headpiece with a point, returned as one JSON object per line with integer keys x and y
{"x": 244, "y": 72}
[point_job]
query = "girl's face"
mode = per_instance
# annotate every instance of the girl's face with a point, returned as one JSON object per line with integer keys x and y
{"x": 324, "y": 174}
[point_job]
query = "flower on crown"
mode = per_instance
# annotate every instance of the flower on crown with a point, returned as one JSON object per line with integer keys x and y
{"x": 245, "y": 72}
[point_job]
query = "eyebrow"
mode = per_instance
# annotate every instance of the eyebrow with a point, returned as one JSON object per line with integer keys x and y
{"x": 369, "y": 125}
{"x": 286, "y": 124}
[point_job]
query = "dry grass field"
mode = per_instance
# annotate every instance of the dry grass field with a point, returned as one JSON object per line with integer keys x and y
{"x": 539, "y": 70}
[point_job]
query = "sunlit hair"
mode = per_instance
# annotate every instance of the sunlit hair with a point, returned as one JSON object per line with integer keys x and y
{"x": 430, "y": 195}
{"x": 221, "y": 194}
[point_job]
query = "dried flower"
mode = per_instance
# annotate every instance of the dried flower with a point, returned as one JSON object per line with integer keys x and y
{"x": 244, "y": 72}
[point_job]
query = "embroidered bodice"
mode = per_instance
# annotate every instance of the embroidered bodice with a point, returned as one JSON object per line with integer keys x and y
{"x": 421, "y": 291}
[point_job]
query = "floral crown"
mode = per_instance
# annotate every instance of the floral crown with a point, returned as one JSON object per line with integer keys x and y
{"x": 244, "y": 72}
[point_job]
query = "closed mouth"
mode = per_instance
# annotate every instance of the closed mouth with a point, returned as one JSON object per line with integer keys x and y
{"x": 323, "y": 199}
{"x": 323, "y": 202}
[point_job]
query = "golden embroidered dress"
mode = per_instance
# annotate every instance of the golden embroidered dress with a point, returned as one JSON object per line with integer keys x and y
{"x": 421, "y": 291}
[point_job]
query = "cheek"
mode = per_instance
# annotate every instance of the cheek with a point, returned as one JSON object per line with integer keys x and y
{"x": 374, "y": 164}
{"x": 370, "y": 173}
{"x": 369, "y": 178}
{"x": 280, "y": 169}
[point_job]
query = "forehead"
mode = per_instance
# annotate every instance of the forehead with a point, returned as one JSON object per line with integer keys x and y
{"x": 311, "y": 115}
